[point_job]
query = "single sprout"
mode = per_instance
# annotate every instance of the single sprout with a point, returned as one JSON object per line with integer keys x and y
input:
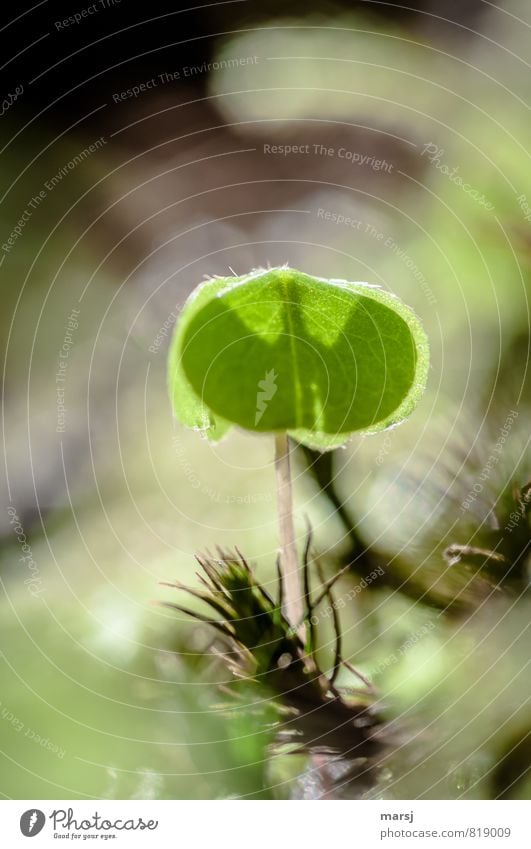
{"x": 278, "y": 351}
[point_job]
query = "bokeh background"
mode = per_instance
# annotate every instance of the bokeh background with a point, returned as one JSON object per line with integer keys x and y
{"x": 143, "y": 149}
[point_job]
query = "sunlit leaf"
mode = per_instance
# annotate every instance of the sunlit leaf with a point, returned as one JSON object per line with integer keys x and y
{"x": 279, "y": 350}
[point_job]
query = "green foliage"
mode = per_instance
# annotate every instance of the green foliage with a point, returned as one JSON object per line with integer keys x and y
{"x": 468, "y": 690}
{"x": 313, "y": 716}
{"x": 279, "y": 350}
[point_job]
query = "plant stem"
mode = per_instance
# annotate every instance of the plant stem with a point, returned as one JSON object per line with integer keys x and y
{"x": 289, "y": 562}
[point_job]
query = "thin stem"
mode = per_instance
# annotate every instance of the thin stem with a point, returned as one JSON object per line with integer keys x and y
{"x": 289, "y": 562}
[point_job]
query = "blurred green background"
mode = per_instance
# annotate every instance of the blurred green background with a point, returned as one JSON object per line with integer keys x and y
{"x": 412, "y": 170}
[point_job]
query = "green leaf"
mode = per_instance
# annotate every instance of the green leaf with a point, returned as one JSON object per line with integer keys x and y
{"x": 278, "y": 350}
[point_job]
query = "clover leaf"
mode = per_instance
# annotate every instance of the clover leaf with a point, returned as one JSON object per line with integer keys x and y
{"x": 278, "y": 350}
